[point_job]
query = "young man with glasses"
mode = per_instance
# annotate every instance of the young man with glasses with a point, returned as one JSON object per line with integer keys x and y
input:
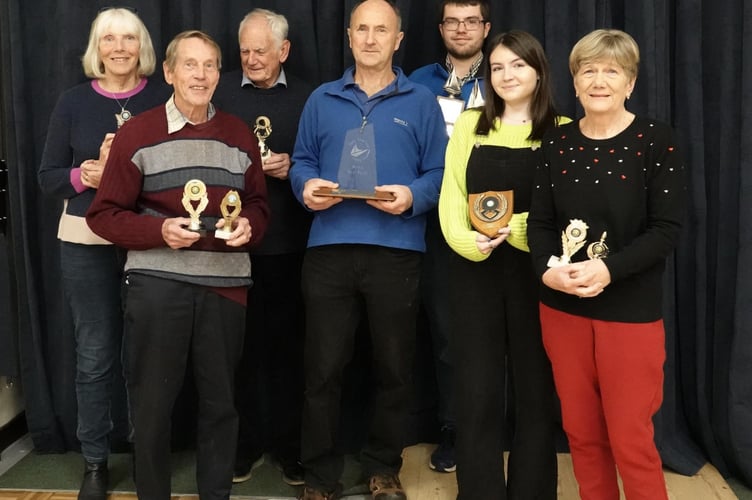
{"x": 456, "y": 81}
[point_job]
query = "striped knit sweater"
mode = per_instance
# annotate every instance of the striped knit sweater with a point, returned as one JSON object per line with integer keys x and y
{"x": 143, "y": 185}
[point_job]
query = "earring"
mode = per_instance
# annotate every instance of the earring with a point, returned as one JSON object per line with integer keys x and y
{"x": 628, "y": 96}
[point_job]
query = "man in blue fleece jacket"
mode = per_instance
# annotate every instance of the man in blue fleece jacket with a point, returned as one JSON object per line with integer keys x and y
{"x": 364, "y": 256}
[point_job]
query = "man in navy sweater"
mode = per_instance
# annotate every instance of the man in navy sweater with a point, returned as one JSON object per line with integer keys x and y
{"x": 269, "y": 382}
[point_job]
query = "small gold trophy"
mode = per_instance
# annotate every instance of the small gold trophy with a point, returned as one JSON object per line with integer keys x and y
{"x": 598, "y": 249}
{"x": 572, "y": 240}
{"x": 263, "y": 130}
{"x": 230, "y": 207}
{"x": 490, "y": 211}
{"x": 195, "y": 191}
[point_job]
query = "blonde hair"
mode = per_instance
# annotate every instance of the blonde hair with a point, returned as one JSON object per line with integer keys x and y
{"x": 606, "y": 45}
{"x": 128, "y": 22}
{"x": 171, "y": 53}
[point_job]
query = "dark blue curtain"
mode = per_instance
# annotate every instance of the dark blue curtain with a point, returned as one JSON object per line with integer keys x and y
{"x": 696, "y": 73}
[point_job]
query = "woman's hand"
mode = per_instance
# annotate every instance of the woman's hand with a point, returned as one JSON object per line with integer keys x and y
{"x": 91, "y": 173}
{"x": 584, "y": 279}
{"x": 486, "y": 245}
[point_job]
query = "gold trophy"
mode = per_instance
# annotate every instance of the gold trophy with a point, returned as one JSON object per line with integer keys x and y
{"x": 263, "y": 130}
{"x": 230, "y": 207}
{"x": 195, "y": 191}
{"x": 598, "y": 249}
{"x": 572, "y": 240}
{"x": 490, "y": 211}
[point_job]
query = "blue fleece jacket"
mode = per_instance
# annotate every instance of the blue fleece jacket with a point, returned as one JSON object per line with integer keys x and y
{"x": 410, "y": 140}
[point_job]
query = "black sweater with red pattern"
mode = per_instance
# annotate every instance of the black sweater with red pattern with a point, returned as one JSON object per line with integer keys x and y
{"x": 632, "y": 187}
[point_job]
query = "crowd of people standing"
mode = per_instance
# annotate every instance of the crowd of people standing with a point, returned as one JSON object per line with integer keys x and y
{"x": 250, "y": 226}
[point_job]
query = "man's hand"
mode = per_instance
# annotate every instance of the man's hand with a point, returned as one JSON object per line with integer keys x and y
{"x": 175, "y": 234}
{"x": 277, "y": 165}
{"x": 314, "y": 202}
{"x": 240, "y": 235}
{"x": 403, "y": 199}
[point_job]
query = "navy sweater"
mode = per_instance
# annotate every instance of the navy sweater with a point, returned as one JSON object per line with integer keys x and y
{"x": 289, "y": 221}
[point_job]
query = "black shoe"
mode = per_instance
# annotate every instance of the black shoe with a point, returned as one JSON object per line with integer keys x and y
{"x": 442, "y": 458}
{"x": 244, "y": 467}
{"x": 292, "y": 471}
{"x": 94, "y": 485}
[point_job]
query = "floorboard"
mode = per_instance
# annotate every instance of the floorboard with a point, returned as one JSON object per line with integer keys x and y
{"x": 421, "y": 483}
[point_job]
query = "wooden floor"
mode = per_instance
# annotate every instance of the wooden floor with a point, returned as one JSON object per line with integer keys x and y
{"x": 423, "y": 484}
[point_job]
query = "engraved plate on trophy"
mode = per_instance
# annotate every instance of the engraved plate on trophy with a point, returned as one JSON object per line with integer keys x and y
{"x": 451, "y": 108}
{"x": 357, "y": 168}
{"x": 194, "y": 192}
{"x": 263, "y": 129}
{"x": 598, "y": 249}
{"x": 230, "y": 207}
{"x": 572, "y": 240}
{"x": 490, "y": 211}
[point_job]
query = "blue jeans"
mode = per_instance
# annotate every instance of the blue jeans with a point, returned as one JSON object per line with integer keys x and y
{"x": 91, "y": 282}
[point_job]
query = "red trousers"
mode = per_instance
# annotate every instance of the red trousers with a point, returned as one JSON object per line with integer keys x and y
{"x": 609, "y": 377}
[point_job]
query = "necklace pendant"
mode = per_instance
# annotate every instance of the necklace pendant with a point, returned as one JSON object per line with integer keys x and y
{"x": 123, "y": 117}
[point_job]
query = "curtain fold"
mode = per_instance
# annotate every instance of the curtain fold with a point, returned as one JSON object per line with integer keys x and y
{"x": 696, "y": 72}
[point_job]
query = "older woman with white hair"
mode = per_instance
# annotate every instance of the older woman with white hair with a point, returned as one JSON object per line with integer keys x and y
{"x": 118, "y": 60}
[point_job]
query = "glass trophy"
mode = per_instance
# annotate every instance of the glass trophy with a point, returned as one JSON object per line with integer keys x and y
{"x": 357, "y": 168}
{"x": 451, "y": 106}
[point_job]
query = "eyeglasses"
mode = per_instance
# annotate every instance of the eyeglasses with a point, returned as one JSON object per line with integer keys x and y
{"x": 471, "y": 23}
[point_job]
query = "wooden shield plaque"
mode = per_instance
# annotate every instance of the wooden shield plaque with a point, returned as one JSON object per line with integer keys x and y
{"x": 490, "y": 211}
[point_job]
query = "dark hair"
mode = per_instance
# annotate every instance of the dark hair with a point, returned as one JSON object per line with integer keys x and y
{"x": 542, "y": 110}
{"x": 485, "y": 7}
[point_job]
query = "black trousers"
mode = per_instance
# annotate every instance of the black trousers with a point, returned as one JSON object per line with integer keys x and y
{"x": 166, "y": 322}
{"x": 496, "y": 332}
{"x": 269, "y": 381}
{"x": 340, "y": 283}
{"x": 437, "y": 295}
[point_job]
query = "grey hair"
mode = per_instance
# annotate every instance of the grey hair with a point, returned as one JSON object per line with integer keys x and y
{"x": 277, "y": 24}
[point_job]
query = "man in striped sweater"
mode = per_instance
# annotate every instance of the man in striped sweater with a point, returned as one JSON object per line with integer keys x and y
{"x": 184, "y": 294}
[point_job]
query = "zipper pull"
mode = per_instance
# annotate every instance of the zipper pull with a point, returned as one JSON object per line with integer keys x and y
{"x": 363, "y": 125}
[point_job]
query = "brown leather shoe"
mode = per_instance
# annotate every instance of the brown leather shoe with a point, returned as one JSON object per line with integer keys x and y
{"x": 310, "y": 493}
{"x": 386, "y": 487}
